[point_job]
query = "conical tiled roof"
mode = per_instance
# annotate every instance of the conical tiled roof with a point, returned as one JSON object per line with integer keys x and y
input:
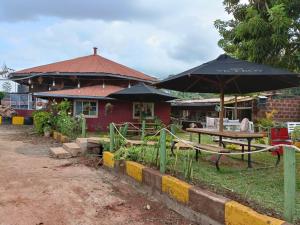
{"x": 88, "y": 65}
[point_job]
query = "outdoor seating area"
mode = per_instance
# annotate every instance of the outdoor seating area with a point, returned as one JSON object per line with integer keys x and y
{"x": 196, "y": 155}
{"x": 148, "y": 112}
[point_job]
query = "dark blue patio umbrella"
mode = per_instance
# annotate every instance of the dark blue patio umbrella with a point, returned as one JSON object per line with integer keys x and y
{"x": 227, "y": 75}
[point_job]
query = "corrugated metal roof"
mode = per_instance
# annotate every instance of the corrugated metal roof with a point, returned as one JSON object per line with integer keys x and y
{"x": 210, "y": 101}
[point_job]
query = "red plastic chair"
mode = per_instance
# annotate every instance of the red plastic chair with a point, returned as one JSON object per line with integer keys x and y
{"x": 279, "y": 136}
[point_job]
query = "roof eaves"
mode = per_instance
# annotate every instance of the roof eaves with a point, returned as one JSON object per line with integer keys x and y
{"x": 32, "y": 75}
{"x": 42, "y": 94}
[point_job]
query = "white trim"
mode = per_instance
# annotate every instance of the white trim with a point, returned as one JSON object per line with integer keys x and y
{"x": 86, "y": 116}
{"x": 148, "y": 117}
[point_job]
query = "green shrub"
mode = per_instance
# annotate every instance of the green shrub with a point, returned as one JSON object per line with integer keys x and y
{"x": 68, "y": 125}
{"x": 132, "y": 153}
{"x": 41, "y": 119}
{"x": 64, "y": 106}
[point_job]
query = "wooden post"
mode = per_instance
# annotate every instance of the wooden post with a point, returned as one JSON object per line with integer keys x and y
{"x": 143, "y": 130}
{"x": 173, "y": 132}
{"x": 235, "y": 107}
{"x": 289, "y": 156}
{"x": 221, "y": 114}
{"x": 83, "y": 127}
{"x": 162, "y": 151}
{"x": 111, "y": 137}
{"x": 191, "y": 137}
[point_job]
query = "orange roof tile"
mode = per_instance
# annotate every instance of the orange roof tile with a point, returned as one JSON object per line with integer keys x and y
{"x": 88, "y": 64}
{"x": 96, "y": 91}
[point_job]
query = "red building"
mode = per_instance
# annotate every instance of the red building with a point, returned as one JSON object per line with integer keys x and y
{"x": 86, "y": 82}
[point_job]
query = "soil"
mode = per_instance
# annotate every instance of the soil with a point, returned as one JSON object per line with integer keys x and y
{"x": 38, "y": 190}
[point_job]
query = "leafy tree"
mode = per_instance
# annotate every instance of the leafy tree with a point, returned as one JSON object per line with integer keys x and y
{"x": 262, "y": 31}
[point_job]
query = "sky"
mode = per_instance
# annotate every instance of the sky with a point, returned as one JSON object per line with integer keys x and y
{"x": 157, "y": 37}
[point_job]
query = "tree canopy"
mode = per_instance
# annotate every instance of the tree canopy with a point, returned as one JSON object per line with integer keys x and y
{"x": 262, "y": 31}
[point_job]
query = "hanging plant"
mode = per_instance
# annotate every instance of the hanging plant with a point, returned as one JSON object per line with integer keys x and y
{"x": 108, "y": 108}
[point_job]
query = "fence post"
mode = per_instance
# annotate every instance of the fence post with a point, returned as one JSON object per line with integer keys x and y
{"x": 83, "y": 127}
{"x": 191, "y": 137}
{"x": 162, "y": 151}
{"x": 111, "y": 137}
{"x": 143, "y": 130}
{"x": 173, "y": 132}
{"x": 289, "y": 156}
{"x": 125, "y": 130}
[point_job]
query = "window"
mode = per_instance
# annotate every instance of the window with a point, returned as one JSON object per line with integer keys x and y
{"x": 19, "y": 101}
{"x": 87, "y": 108}
{"x": 143, "y": 110}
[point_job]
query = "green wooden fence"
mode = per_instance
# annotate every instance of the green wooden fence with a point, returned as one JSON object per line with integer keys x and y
{"x": 289, "y": 169}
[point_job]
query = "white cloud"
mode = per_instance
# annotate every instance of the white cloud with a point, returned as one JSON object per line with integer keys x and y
{"x": 177, "y": 36}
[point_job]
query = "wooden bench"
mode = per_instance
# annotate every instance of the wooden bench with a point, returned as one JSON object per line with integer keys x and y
{"x": 198, "y": 147}
{"x": 139, "y": 142}
{"x": 244, "y": 143}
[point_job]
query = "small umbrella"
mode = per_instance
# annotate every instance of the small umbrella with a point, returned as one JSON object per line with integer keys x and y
{"x": 142, "y": 93}
{"x": 227, "y": 75}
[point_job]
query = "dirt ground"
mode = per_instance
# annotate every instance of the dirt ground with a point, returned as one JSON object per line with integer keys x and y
{"x": 38, "y": 190}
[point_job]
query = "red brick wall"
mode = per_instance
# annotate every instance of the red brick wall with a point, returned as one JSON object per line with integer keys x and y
{"x": 287, "y": 109}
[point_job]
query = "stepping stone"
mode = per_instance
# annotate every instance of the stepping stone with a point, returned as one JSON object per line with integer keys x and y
{"x": 98, "y": 140}
{"x": 82, "y": 142}
{"x": 72, "y": 148}
{"x": 59, "y": 153}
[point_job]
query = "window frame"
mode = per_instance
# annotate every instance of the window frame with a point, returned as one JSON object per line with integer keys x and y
{"x": 86, "y": 100}
{"x": 147, "y": 117}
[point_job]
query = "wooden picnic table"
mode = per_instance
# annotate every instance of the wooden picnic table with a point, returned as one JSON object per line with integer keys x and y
{"x": 228, "y": 134}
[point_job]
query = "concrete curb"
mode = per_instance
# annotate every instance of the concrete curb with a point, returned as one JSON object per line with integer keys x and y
{"x": 205, "y": 206}
{"x": 134, "y": 170}
{"x": 15, "y": 120}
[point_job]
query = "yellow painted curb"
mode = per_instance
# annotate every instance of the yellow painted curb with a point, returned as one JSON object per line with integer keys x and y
{"x": 176, "y": 188}
{"x": 135, "y": 170}
{"x": 238, "y": 214}
{"x": 297, "y": 144}
{"x": 18, "y": 120}
{"x": 108, "y": 159}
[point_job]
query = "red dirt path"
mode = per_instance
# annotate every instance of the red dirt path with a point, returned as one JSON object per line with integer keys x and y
{"x": 38, "y": 190}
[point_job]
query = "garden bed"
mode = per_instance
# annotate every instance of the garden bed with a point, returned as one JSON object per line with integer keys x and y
{"x": 260, "y": 188}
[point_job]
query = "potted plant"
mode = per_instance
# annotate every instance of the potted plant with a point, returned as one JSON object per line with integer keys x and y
{"x": 47, "y": 131}
{"x": 296, "y": 136}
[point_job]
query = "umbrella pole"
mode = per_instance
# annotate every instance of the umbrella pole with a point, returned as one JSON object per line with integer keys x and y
{"x": 221, "y": 114}
{"x": 235, "y": 107}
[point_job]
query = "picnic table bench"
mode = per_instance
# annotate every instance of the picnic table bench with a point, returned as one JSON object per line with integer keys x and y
{"x": 198, "y": 147}
{"x": 244, "y": 143}
{"x": 188, "y": 144}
